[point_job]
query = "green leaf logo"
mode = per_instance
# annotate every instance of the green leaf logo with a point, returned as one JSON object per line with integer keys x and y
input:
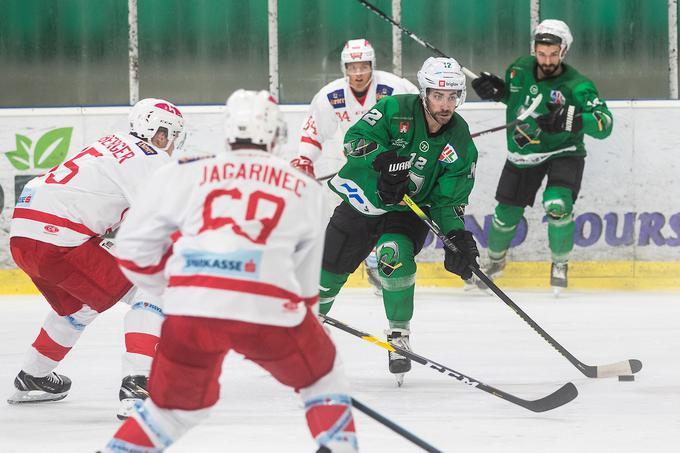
{"x": 51, "y": 148}
{"x": 20, "y": 158}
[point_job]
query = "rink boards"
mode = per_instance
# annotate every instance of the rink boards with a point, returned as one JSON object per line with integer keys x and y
{"x": 627, "y": 216}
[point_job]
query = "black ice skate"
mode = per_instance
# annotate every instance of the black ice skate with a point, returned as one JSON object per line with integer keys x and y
{"x": 493, "y": 269}
{"x": 132, "y": 389}
{"x": 33, "y": 389}
{"x": 374, "y": 280}
{"x": 398, "y": 364}
{"x": 558, "y": 277}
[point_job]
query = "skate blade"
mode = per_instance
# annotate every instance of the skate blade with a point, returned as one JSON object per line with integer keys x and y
{"x": 400, "y": 379}
{"x": 35, "y": 396}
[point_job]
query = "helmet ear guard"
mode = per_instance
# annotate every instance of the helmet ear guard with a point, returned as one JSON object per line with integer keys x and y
{"x": 254, "y": 117}
{"x": 440, "y": 73}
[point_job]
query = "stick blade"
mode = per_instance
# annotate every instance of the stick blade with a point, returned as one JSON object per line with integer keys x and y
{"x": 558, "y": 398}
{"x": 624, "y": 368}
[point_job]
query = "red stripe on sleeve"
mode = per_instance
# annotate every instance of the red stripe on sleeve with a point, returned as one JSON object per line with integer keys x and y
{"x": 151, "y": 269}
{"x": 311, "y": 141}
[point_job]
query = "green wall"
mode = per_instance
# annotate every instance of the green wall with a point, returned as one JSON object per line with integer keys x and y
{"x": 74, "y": 52}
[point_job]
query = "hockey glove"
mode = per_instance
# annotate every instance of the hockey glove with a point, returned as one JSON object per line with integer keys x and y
{"x": 394, "y": 176}
{"x": 489, "y": 86}
{"x": 304, "y": 164}
{"x": 561, "y": 118}
{"x": 458, "y": 262}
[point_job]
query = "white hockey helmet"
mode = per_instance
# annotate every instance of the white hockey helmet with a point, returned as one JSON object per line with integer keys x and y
{"x": 254, "y": 117}
{"x": 442, "y": 73}
{"x": 356, "y": 50}
{"x": 150, "y": 114}
{"x": 552, "y": 31}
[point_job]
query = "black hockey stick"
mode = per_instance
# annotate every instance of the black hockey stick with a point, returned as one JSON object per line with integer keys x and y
{"x": 625, "y": 367}
{"x": 413, "y": 36}
{"x": 394, "y": 427}
{"x": 556, "y": 399}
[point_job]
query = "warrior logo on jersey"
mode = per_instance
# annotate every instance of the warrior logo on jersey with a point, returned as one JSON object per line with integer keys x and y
{"x": 337, "y": 98}
{"x": 403, "y": 127}
{"x": 556, "y": 97}
{"x": 448, "y": 155}
{"x": 383, "y": 90}
{"x": 146, "y": 148}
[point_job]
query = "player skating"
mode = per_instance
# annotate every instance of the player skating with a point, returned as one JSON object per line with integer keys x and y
{"x": 56, "y": 238}
{"x": 550, "y": 145}
{"x": 406, "y": 144}
{"x": 339, "y": 105}
{"x": 243, "y": 276}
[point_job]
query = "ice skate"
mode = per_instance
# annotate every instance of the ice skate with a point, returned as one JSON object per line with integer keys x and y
{"x": 558, "y": 277}
{"x": 398, "y": 364}
{"x": 33, "y": 389}
{"x": 493, "y": 269}
{"x": 374, "y": 280}
{"x": 132, "y": 389}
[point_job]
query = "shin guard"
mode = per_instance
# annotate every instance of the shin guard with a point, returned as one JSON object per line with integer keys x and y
{"x": 142, "y": 324}
{"x": 503, "y": 228}
{"x": 329, "y": 288}
{"x": 397, "y": 269}
{"x": 56, "y": 338}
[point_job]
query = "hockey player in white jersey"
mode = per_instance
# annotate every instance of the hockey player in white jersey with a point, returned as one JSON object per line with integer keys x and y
{"x": 339, "y": 105}
{"x": 243, "y": 276}
{"x": 56, "y": 237}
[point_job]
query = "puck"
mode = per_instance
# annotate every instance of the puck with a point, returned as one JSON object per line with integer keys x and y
{"x": 626, "y": 378}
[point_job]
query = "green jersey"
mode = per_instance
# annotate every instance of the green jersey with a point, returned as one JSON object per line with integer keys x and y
{"x": 528, "y": 145}
{"x": 442, "y": 164}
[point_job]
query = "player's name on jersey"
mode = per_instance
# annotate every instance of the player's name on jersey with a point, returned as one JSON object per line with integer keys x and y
{"x": 278, "y": 177}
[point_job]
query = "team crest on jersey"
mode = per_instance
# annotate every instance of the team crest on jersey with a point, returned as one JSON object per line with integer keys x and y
{"x": 404, "y": 127}
{"x": 337, "y": 98}
{"x": 513, "y": 73}
{"x": 146, "y": 148}
{"x": 448, "y": 155}
{"x": 556, "y": 97}
{"x": 383, "y": 90}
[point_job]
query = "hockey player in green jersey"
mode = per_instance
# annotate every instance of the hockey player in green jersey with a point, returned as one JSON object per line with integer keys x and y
{"x": 406, "y": 144}
{"x": 549, "y": 145}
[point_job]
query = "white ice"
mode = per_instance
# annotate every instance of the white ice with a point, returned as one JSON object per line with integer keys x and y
{"x": 474, "y": 334}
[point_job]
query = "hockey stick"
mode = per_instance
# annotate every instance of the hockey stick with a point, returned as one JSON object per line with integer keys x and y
{"x": 413, "y": 36}
{"x": 521, "y": 117}
{"x": 556, "y": 399}
{"x": 625, "y": 367}
{"x": 394, "y": 427}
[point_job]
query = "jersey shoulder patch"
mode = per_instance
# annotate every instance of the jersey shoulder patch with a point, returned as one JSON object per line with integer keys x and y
{"x": 146, "y": 148}
{"x": 383, "y": 90}
{"x": 189, "y": 159}
{"x": 337, "y": 98}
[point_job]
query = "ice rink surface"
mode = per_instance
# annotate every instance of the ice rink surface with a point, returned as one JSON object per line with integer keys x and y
{"x": 475, "y": 334}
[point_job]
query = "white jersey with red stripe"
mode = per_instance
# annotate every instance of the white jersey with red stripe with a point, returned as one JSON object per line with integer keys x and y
{"x": 88, "y": 194}
{"x": 251, "y": 238}
{"x": 334, "y": 109}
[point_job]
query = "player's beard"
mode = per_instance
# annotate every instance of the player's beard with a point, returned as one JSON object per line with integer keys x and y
{"x": 548, "y": 69}
{"x": 442, "y": 116}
